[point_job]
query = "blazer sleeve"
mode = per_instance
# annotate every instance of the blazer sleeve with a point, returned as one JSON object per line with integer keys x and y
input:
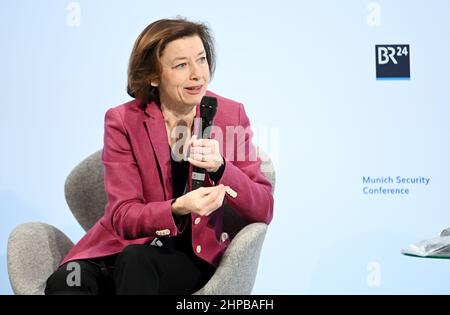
{"x": 130, "y": 216}
{"x": 254, "y": 201}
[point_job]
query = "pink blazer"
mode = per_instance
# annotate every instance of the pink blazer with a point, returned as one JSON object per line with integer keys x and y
{"x": 138, "y": 184}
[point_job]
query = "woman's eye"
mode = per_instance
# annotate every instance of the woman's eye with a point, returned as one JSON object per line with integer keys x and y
{"x": 180, "y": 66}
{"x": 202, "y": 59}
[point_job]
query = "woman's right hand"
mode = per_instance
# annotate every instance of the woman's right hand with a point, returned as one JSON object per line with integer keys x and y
{"x": 202, "y": 201}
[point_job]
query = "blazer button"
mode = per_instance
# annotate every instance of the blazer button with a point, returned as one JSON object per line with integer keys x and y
{"x": 198, "y": 249}
{"x": 224, "y": 236}
{"x": 163, "y": 232}
{"x": 197, "y": 220}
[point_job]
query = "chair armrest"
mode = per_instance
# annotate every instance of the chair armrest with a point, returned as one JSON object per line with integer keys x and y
{"x": 236, "y": 272}
{"x": 34, "y": 251}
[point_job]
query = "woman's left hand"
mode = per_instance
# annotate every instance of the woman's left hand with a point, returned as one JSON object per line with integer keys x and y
{"x": 205, "y": 153}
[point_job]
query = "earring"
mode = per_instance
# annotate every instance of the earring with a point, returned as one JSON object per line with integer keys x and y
{"x": 153, "y": 84}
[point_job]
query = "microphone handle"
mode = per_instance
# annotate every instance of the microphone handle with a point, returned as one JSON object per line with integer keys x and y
{"x": 198, "y": 177}
{"x": 198, "y": 174}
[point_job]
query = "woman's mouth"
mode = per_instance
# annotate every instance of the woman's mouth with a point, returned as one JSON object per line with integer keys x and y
{"x": 194, "y": 90}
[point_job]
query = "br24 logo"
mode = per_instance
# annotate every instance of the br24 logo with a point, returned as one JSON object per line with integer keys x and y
{"x": 389, "y": 53}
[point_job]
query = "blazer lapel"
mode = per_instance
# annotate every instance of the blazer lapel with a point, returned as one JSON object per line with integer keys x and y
{"x": 156, "y": 130}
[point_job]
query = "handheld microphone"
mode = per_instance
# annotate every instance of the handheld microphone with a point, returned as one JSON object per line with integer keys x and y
{"x": 208, "y": 109}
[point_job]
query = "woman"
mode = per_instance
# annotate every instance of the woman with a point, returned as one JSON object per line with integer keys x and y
{"x": 157, "y": 235}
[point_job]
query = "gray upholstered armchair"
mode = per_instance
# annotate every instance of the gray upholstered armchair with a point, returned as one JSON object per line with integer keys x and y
{"x": 35, "y": 249}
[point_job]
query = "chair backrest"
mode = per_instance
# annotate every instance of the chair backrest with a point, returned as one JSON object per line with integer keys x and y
{"x": 85, "y": 191}
{"x": 86, "y": 197}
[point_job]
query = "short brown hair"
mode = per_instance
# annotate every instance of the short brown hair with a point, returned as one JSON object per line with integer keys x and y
{"x": 144, "y": 65}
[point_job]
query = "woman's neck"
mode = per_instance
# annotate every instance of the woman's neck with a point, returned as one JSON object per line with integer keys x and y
{"x": 173, "y": 116}
{"x": 178, "y": 126}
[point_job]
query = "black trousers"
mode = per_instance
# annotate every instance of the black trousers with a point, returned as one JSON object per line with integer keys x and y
{"x": 138, "y": 269}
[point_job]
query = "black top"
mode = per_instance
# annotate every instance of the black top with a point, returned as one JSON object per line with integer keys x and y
{"x": 180, "y": 173}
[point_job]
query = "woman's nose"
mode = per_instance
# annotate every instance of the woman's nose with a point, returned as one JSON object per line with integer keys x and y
{"x": 195, "y": 72}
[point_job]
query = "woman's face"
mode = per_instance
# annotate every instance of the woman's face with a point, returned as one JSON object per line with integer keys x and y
{"x": 185, "y": 72}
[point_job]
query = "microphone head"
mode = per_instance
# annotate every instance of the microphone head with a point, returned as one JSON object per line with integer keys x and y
{"x": 208, "y": 107}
